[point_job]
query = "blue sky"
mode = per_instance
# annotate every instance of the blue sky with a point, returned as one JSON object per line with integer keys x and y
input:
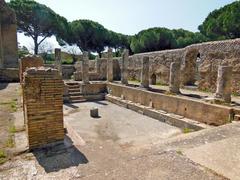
{"x": 131, "y": 16}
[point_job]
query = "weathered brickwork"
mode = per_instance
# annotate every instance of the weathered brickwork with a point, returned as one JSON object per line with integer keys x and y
{"x": 43, "y": 106}
{"x": 28, "y": 62}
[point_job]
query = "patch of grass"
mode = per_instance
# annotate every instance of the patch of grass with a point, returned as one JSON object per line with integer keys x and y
{"x": 134, "y": 80}
{"x": 161, "y": 84}
{"x": 179, "y": 152}
{"x": 187, "y": 130}
{"x": 3, "y": 156}
{"x": 235, "y": 93}
{"x": 169, "y": 93}
{"x": 11, "y": 105}
{"x": 12, "y": 129}
{"x": 10, "y": 142}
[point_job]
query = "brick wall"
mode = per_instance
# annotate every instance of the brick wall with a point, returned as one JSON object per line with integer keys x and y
{"x": 43, "y": 106}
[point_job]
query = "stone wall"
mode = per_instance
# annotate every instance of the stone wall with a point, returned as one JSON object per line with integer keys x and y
{"x": 8, "y": 37}
{"x": 43, "y": 106}
{"x": 199, "y": 63}
{"x": 197, "y": 110}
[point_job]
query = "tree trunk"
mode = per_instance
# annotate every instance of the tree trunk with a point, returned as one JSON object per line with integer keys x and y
{"x": 36, "y": 45}
{"x": 100, "y": 54}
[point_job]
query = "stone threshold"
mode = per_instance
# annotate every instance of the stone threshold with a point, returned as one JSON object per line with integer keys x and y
{"x": 163, "y": 116}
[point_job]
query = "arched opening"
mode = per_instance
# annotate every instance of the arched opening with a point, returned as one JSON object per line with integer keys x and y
{"x": 153, "y": 79}
{"x": 190, "y": 67}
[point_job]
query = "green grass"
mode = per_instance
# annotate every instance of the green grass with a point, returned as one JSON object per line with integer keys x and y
{"x": 11, "y": 105}
{"x": 161, "y": 84}
{"x": 179, "y": 152}
{"x": 3, "y": 156}
{"x": 10, "y": 142}
{"x": 187, "y": 130}
{"x": 12, "y": 129}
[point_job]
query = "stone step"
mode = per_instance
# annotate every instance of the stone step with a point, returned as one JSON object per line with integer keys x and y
{"x": 73, "y": 90}
{"x": 77, "y": 101}
{"x": 76, "y": 98}
{"x": 75, "y": 93}
{"x": 74, "y": 86}
{"x": 72, "y": 83}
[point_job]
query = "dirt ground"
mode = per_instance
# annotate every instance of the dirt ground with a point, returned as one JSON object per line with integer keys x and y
{"x": 9, "y": 96}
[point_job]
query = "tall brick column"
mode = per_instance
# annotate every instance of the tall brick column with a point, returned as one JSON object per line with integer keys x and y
{"x": 174, "y": 81}
{"x": 224, "y": 83}
{"x": 145, "y": 73}
{"x": 124, "y": 78}
{"x": 43, "y": 106}
{"x": 110, "y": 66}
{"x": 85, "y": 68}
{"x": 58, "y": 60}
{"x": 1, "y": 48}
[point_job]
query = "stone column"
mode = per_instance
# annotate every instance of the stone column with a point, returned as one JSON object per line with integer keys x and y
{"x": 85, "y": 68}
{"x": 145, "y": 73}
{"x": 1, "y": 48}
{"x": 224, "y": 83}
{"x": 58, "y": 60}
{"x": 174, "y": 81}
{"x": 124, "y": 78}
{"x": 97, "y": 59}
{"x": 110, "y": 66}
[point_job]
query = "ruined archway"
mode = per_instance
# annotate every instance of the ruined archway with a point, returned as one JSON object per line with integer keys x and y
{"x": 153, "y": 79}
{"x": 189, "y": 67}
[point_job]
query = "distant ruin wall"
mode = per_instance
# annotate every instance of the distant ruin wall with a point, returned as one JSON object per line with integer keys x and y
{"x": 199, "y": 62}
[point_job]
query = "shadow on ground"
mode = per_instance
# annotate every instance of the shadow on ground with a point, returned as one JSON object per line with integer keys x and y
{"x": 71, "y": 105}
{"x": 3, "y": 85}
{"x": 60, "y": 156}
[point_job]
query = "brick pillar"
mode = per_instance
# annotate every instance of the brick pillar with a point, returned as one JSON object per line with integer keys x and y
{"x": 145, "y": 73}
{"x": 43, "y": 106}
{"x": 58, "y": 60}
{"x": 110, "y": 66}
{"x": 224, "y": 83}
{"x": 174, "y": 80}
{"x": 85, "y": 68}
{"x": 1, "y": 48}
{"x": 28, "y": 62}
{"x": 124, "y": 78}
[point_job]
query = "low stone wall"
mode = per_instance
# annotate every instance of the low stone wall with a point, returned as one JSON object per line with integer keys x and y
{"x": 197, "y": 110}
{"x": 67, "y": 70}
{"x": 43, "y": 106}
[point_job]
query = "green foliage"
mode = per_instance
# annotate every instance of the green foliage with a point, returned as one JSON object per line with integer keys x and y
{"x": 184, "y": 38}
{"x": 155, "y": 39}
{"x": 152, "y": 39}
{"x": 48, "y": 58}
{"x": 22, "y": 51}
{"x": 37, "y": 20}
{"x": 87, "y": 35}
{"x": 223, "y": 23}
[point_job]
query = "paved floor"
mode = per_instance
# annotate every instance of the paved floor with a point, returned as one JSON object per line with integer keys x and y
{"x": 118, "y": 124}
